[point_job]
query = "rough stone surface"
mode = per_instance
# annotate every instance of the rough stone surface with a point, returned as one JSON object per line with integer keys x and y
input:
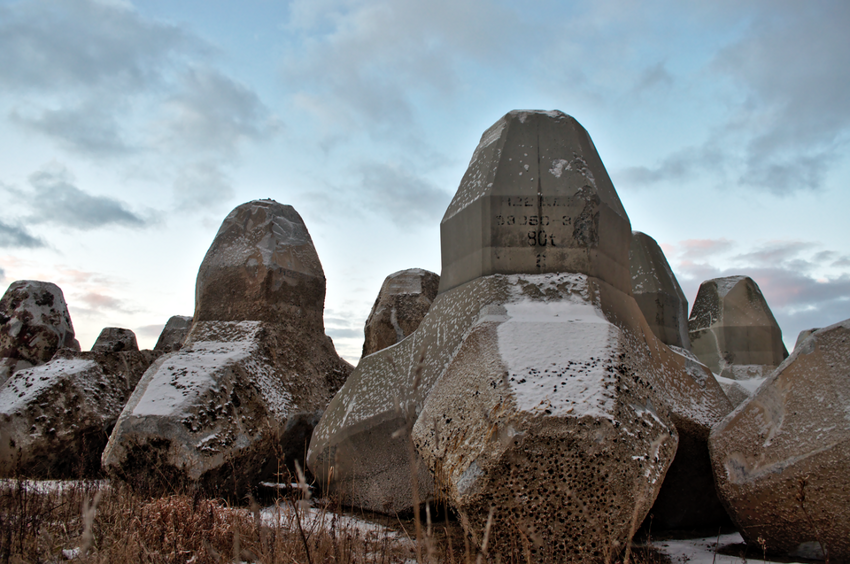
{"x": 115, "y": 339}
{"x": 739, "y": 391}
{"x": 804, "y": 334}
{"x": 55, "y": 418}
{"x": 402, "y": 303}
{"x": 357, "y": 448}
{"x": 241, "y": 395}
{"x": 733, "y": 331}
{"x": 549, "y": 413}
{"x": 657, "y": 292}
{"x": 532, "y": 201}
{"x": 781, "y": 458}
{"x": 34, "y": 324}
{"x": 261, "y": 266}
{"x": 173, "y": 334}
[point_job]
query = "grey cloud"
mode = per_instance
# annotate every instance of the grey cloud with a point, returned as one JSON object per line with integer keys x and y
{"x": 56, "y": 200}
{"x": 680, "y": 166}
{"x": 202, "y": 185}
{"x": 49, "y": 46}
{"x": 88, "y": 129}
{"x": 655, "y": 76}
{"x": 339, "y": 333}
{"x": 401, "y": 196}
{"x": 779, "y": 252}
{"x": 375, "y": 57}
{"x": 215, "y": 113}
{"x": 18, "y": 236}
{"x": 2, "y": 276}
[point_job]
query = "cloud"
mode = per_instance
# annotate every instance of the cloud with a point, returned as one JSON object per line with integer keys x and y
{"x": 399, "y": 195}
{"x": 2, "y": 276}
{"x": 379, "y": 60}
{"x": 103, "y": 81}
{"x": 784, "y": 80}
{"x": 55, "y": 199}
{"x": 212, "y": 112}
{"x": 84, "y": 44}
{"x": 18, "y": 236}
{"x": 88, "y": 129}
{"x": 202, "y": 185}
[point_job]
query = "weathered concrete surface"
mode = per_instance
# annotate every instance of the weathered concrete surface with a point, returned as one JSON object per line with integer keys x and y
{"x": 657, "y": 292}
{"x": 34, "y": 324}
{"x": 357, "y": 449}
{"x": 548, "y": 412}
{"x": 733, "y": 331}
{"x": 803, "y": 335}
{"x": 402, "y": 303}
{"x": 174, "y": 333}
{"x": 532, "y": 201}
{"x": 55, "y": 418}
{"x": 262, "y": 266}
{"x": 781, "y": 458}
{"x": 215, "y": 413}
{"x": 115, "y": 339}
{"x": 223, "y": 411}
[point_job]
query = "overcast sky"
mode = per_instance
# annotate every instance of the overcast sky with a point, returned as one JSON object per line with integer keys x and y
{"x": 128, "y": 131}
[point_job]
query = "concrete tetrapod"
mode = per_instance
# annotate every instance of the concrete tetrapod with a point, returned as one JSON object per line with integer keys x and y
{"x": 657, "y": 292}
{"x": 401, "y": 305}
{"x": 781, "y": 457}
{"x": 733, "y": 331}
{"x": 55, "y": 418}
{"x": 34, "y": 324}
{"x": 242, "y": 395}
{"x": 358, "y": 448}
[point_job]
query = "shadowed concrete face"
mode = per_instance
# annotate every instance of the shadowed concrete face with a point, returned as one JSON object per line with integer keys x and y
{"x": 733, "y": 331}
{"x": 785, "y": 452}
{"x": 532, "y": 201}
{"x": 657, "y": 292}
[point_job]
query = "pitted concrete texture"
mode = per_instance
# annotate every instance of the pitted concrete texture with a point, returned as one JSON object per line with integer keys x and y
{"x": 532, "y": 201}
{"x": 173, "y": 334}
{"x": 358, "y": 450}
{"x": 34, "y": 324}
{"x": 657, "y": 292}
{"x": 733, "y": 331}
{"x": 215, "y": 414}
{"x": 402, "y": 303}
{"x": 547, "y": 389}
{"x": 239, "y": 399}
{"x": 261, "y": 266}
{"x": 781, "y": 458}
{"x": 55, "y": 418}
{"x": 115, "y": 339}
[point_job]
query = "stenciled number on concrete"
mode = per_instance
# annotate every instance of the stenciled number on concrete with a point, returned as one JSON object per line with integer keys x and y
{"x": 540, "y": 239}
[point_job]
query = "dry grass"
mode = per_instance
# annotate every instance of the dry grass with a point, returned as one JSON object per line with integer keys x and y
{"x": 97, "y": 522}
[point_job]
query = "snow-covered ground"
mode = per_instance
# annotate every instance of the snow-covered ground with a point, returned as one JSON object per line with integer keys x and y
{"x": 705, "y": 550}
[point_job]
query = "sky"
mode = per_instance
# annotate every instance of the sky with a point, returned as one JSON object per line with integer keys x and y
{"x": 129, "y": 130}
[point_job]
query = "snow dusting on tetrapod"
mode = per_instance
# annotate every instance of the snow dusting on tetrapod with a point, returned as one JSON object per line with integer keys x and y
{"x": 55, "y": 418}
{"x": 534, "y": 384}
{"x": 242, "y": 394}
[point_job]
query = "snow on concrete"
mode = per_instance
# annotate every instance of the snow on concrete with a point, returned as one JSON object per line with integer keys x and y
{"x": 567, "y": 387}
